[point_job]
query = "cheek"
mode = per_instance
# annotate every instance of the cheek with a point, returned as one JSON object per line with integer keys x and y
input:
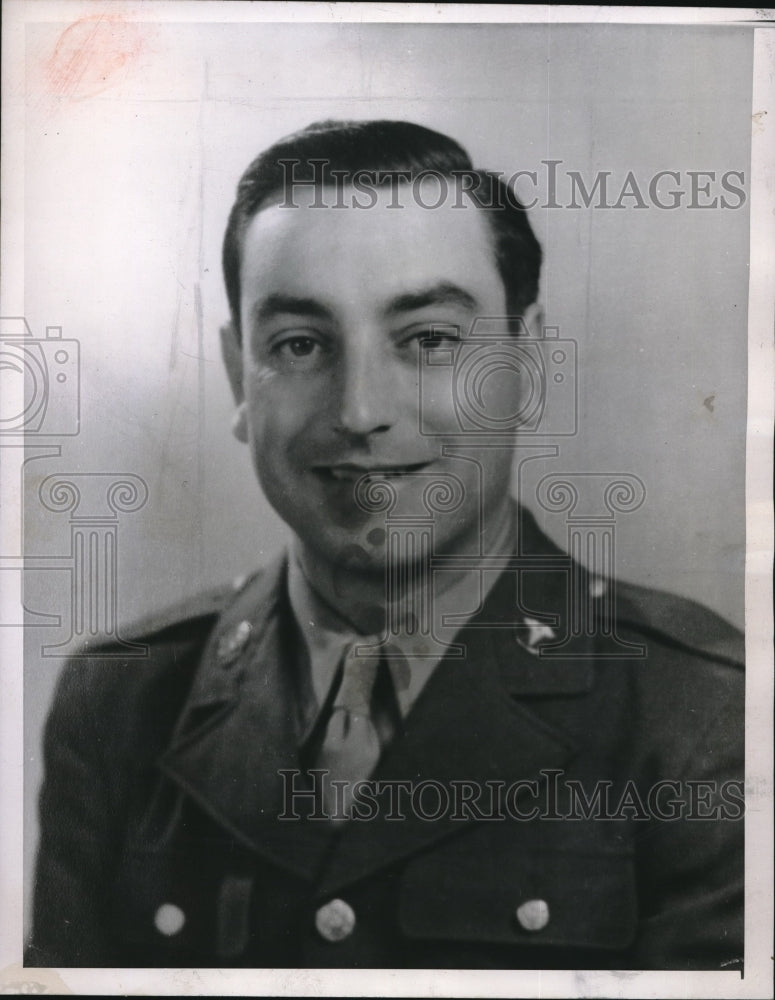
{"x": 262, "y": 382}
{"x": 283, "y": 412}
{"x": 483, "y": 391}
{"x": 436, "y": 393}
{"x": 500, "y": 395}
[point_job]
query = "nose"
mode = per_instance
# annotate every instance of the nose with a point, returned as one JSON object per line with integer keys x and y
{"x": 368, "y": 391}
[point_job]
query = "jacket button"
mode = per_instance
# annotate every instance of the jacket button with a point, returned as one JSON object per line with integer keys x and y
{"x": 533, "y": 915}
{"x": 169, "y": 919}
{"x": 335, "y": 921}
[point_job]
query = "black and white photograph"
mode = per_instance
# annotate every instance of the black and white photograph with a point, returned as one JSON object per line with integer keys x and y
{"x": 387, "y": 499}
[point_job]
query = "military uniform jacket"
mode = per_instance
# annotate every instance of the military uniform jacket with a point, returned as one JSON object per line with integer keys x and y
{"x": 618, "y": 843}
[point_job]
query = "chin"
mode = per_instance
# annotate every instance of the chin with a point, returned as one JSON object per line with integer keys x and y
{"x": 366, "y": 549}
{"x": 355, "y": 550}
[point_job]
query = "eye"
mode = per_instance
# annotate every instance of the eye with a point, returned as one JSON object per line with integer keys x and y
{"x": 300, "y": 347}
{"x": 298, "y": 351}
{"x": 434, "y": 336}
{"x": 442, "y": 337}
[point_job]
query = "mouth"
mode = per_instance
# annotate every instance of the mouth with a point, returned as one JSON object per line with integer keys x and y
{"x": 347, "y": 472}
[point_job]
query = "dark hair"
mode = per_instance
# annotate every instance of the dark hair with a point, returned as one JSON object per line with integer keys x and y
{"x": 335, "y": 150}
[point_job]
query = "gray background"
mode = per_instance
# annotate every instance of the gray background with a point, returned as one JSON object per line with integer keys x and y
{"x": 127, "y": 193}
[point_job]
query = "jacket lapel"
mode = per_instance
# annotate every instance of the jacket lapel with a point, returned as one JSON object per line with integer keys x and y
{"x": 472, "y": 723}
{"x": 239, "y": 730}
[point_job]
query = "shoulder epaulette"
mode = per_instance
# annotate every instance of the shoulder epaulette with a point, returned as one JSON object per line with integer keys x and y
{"x": 208, "y": 604}
{"x": 681, "y": 622}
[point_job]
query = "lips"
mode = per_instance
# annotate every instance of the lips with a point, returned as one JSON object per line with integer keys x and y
{"x": 348, "y": 472}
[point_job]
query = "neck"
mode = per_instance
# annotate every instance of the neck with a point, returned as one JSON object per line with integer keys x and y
{"x": 358, "y": 588}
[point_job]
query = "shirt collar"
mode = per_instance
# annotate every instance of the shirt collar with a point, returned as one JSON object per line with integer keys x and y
{"x": 411, "y": 658}
{"x": 326, "y": 634}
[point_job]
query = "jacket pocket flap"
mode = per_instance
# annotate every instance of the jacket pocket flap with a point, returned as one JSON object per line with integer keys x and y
{"x": 529, "y": 898}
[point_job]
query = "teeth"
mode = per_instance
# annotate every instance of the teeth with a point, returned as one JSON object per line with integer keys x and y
{"x": 351, "y": 475}
{"x": 345, "y": 474}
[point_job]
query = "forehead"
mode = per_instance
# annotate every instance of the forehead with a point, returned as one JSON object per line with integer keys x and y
{"x": 368, "y": 254}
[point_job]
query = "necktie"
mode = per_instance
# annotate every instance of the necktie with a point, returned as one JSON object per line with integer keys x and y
{"x": 351, "y": 745}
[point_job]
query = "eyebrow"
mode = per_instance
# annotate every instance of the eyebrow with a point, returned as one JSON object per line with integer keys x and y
{"x": 442, "y": 294}
{"x": 276, "y": 304}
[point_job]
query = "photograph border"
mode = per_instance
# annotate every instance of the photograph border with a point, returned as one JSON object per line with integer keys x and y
{"x": 757, "y": 979}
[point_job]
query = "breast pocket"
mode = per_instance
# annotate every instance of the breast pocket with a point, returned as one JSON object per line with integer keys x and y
{"x": 542, "y": 899}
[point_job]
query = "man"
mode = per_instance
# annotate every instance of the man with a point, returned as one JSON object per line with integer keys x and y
{"x": 396, "y": 747}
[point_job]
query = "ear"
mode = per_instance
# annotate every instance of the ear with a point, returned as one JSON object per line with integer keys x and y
{"x": 533, "y": 318}
{"x": 529, "y": 379}
{"x": 231, "y": 352}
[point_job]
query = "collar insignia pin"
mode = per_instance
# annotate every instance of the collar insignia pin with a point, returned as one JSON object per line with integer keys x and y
{"x": 231, "y": 643}
{"x": 537, "y": 635}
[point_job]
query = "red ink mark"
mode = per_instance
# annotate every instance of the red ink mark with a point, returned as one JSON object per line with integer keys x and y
{"x": 90, "y": 53}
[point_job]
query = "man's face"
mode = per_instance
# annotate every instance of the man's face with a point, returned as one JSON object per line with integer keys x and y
{"x": 334, "y": 306}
